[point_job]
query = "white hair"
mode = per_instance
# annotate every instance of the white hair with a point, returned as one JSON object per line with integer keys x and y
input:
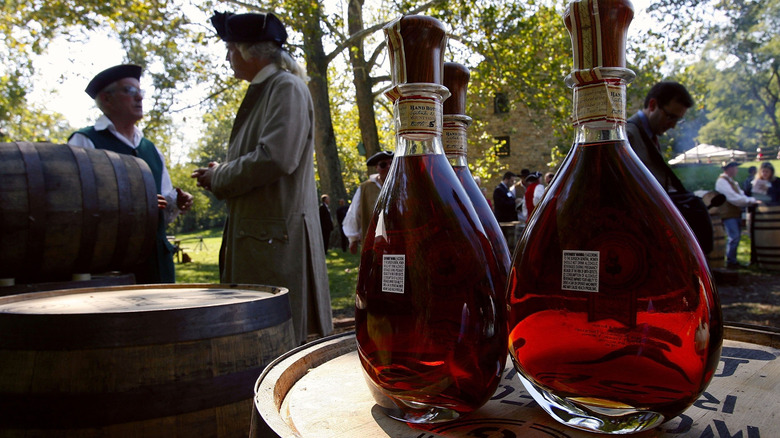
{"x": 277, "y": 55}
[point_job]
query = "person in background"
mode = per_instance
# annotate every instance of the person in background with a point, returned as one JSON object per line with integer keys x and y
{"x": 326, "y": 222}
{"x": 548, "y": 177}
{"x": 731, "y": 210}
{"x": 361, "y": 209}
{"x": 271, "y": 233}
{"x": 504, "y": 199}
{"x": 765, "y": 185}
{"x": 665, "y": 105}
{"x": 341, "y": 213}
{"x": 117, "y": 93}
{"x": 747, "y": 185}
{"x": 534, "y": 191}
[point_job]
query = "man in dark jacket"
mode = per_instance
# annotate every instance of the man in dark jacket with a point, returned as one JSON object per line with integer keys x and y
{"x": 504, "y": 199}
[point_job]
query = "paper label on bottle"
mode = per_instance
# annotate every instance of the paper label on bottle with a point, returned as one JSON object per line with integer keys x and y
{"x": 454, "y": 139}
{"x": 599, "y": 101}
{"x": 419, "y": 115}
{"x": 393, "y": 269}
{"x": 580, "y": 271}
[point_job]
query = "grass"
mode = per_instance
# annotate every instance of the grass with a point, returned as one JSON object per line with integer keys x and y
{"x": 203, "y": 249}
{"x": 703, "y": 176}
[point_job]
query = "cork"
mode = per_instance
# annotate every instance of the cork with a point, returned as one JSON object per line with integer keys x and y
{"x": 456, "y": 79}
{"x": 416, "y": 44}
{"x": 598, "y": 31}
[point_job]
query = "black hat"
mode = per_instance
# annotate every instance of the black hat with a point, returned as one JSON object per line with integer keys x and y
{"x": 248, "y": 28}
{"x": 533, "y": 177}
{"x": 524, "y": 173}
{"x": 379, "y": 156}
{"x": 730, "y": 164}
{"x": 111, "y": 75}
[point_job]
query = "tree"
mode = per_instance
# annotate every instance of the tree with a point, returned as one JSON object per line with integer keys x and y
{"x": 740, "y": 64}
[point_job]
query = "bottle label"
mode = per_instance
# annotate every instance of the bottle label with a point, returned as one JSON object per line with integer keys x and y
{"x": 393, "y": 269}
{"x": 580, "y": 271}
{"x": 454, "y": 139}
{"x": 419, "y": 115}
{"x": 599, "y": 101}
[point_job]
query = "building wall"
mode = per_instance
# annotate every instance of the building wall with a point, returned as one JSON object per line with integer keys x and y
{"x": 529, "y": 145}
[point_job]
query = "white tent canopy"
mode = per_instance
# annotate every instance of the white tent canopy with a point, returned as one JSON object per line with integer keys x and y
{"x": 707, "y": 153}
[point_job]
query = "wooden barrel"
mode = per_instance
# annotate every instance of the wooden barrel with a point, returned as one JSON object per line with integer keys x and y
{"x": 66, "y": 210}
{"x": 717, "y": 257}
{"x": 138, "y": 361}
{"x": 766, "y": 236}
{"x": 319, "y": 390}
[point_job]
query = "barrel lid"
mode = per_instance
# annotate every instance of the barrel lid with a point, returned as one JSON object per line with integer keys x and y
{"x": 137, "y": 315}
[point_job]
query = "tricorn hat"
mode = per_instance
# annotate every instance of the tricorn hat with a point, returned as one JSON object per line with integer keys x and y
{"x": 379, "y": 156}
{"x": 730, "y": 164}
{"x": 111, "y": 75}
{"x": 249, "y": 28}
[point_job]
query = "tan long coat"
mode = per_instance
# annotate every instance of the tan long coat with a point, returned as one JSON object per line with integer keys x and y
{"x": 272, "y": 235}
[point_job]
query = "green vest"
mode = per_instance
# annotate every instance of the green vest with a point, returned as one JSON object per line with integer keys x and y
{"x": 159, "y": 267}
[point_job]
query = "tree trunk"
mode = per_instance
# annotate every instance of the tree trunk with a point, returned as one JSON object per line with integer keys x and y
{"x": 328, "y": 165}
{"x": 363, "y": 84}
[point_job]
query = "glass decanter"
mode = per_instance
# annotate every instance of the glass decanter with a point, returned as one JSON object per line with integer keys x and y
{"x": 615, "y": 323}
{"x": 430, "y": 323}
{"x": 454, "y": 139}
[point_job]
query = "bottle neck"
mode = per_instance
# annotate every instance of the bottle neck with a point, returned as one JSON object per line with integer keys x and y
{"x": 455, "y": 140}
{"x": 418, "y": 118}
{"x": 599, "y": 110}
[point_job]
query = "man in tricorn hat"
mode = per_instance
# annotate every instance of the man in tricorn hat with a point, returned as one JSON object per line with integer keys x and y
{"x": 731, "y": 210}
{"x": 361, "y": 209}
{"x": 272, "y": 234}
{"x": 118, "y": 95}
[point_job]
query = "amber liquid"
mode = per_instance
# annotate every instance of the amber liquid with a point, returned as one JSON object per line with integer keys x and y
{"x": 489, "y": 222}
{"x": 442, "y": 341}
{"x": 650, "y": 337}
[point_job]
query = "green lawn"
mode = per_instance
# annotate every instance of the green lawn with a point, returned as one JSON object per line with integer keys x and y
{"x": 203, "y": 249}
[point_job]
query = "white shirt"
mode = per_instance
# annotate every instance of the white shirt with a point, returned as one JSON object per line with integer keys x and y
{"x": 166, "y": 186}
{"x": 351, "y": 226}
{"x": 737, "y": 197}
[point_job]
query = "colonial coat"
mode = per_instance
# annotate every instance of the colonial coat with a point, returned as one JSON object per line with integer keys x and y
{"x": 272, "y": 235}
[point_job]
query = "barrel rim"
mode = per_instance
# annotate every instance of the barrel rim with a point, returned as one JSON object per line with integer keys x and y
{"x": 273, "y": 385}
{"x": 159, "y": 326}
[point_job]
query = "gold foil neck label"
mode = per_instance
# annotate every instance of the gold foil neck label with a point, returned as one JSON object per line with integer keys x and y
{"x": 417, "y": 115}
{"x": 599, "y": 101}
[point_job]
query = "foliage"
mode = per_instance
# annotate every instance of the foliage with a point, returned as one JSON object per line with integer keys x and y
{"x": 740, "y": 66}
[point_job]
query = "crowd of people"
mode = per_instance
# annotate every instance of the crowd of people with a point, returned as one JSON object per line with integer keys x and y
{"x": 267, "y": 181}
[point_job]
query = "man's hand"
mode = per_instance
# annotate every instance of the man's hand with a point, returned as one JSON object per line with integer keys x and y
{"x": 204, "y": 174}
{"x": 184, "y": 200}
{"x": 162, "y": 204}
{"x": 353, "y": 247}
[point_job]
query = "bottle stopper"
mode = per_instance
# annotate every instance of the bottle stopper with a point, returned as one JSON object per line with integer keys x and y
{"x": 598, "y": 31}
{"x": 416, "y": 44}
{"x": 456, "y": 79}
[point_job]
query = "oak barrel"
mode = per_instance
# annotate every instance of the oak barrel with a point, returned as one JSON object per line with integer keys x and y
{"x": 66, "y": 210}
{"x": 766, "y": 236}
{"x": 319, "y": 390}
{"x": 138, "y": 361}
{"x": 717, "y": 257}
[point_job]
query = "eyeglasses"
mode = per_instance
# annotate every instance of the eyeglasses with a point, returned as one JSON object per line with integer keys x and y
{"x": 384, "y": 164}
{"x": 130, "y": 90}
{"x": 672, "y": 117}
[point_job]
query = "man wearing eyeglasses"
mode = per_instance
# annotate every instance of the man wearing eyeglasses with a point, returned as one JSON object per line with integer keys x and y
{"x": 664, "y": 107}
{"x": 118, "y": 95}
{"x": 361, "y": 209}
